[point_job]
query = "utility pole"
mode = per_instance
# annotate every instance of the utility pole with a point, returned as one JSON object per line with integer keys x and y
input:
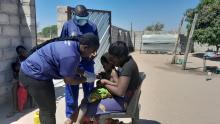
{"x": 177, "y": 42}
{"x": 189, "y": 41}
{"x": 50, "y": 32}
{"x": 141, "y": 41}
{"x": 132, "y": 35}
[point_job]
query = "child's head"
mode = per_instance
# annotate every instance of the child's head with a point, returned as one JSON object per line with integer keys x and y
{"x": 89, "y": 44}
{"x": 105, "y": 63}
{"x": 21, "y": 51}
{"x": 118, "y": 53}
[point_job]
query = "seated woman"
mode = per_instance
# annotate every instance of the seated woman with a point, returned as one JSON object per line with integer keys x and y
{"x": 122, "y": 90}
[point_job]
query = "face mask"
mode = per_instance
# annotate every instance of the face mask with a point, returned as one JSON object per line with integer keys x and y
{"x": 81, "y": 21}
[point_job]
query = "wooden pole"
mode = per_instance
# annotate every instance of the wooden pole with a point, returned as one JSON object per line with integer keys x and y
{"x": 134, "y": 41}
{"x": 141, "y": 41}
{"x": 173, "y": 61}
{"x": 189, "y": 41}
{"x": 131, "y": 31}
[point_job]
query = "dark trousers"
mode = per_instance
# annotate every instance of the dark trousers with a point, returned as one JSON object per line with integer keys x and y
{"x": 44, "y": 95}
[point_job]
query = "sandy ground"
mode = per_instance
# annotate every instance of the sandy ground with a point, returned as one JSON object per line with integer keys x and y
{"x": 169, "y": 95}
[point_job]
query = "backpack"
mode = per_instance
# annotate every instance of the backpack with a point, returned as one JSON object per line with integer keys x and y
{"x": 34, "y": 49}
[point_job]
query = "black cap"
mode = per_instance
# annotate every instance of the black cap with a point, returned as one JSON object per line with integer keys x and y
{"x": 80, "y": 10}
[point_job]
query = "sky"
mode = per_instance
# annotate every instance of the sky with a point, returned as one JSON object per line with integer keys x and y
{"x": 140, "y": 13}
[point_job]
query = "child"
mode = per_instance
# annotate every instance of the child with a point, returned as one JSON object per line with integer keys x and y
{"x": 100, "y": 92}
{"x": 22, "y": 54}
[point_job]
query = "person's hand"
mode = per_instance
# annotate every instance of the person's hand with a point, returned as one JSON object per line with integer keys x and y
{"x": 100, "y": 75}
{"x": 80, "y": 71}
{"x": 103, "y": 81}
{"x": 98, "y": 83}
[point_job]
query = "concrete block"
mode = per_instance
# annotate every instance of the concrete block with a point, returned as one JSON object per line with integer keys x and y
{"x": 14, "y": 1}
{"x": 61, "y": 13}
{"x": 5, "y": 99}
{"x": 4, "y": 18}
{"x": 59, "y": 27}
{"x": 27, "y": 10}
{"x": 62, "y": 17}
{"x": 29, "y": 42}
{"x": 11, "y": 30}
{"x": 5, "y": 77}
{"x": 10, "y": 8}
{"x": 28, "y": 20}
{"x": 14, "y": 20}
{"x": 61, "y": 9}
{"x": 30, "y": 2}
{"x": 28, "y": 31}
{"x": 5, "y": 1}
{"x": 5, "y": 42}
{"x": 0, "y": 29}
{"x": 4, "y": 92}
{"x": 8, "y": 75}
{"x": 25, "y": 31}
{"x": 1, "y": 54}
{"x": 16, "y": 41}
{"x": 9, "y": 53}
{"x": 5, "y": 65}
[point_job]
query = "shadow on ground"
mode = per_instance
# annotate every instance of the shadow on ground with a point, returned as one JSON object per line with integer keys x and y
{"x": 5, "y": 109}
{"x": 178, "y": 69}
{"x": 143, "y": 121}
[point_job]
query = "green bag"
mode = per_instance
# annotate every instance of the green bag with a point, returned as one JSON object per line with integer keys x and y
{"x": 98, "y": 93}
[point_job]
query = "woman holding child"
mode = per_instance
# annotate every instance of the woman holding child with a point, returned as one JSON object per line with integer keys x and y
{"x": 121, "y": 87}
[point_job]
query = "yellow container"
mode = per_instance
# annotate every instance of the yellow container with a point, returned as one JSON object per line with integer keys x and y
{"x": 36, "y": 117}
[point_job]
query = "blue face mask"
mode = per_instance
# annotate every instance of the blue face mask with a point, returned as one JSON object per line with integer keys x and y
{"x": 81, "y": 21}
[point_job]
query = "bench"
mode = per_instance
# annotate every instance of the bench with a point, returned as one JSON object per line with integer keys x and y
{"x": 132, "y": 110}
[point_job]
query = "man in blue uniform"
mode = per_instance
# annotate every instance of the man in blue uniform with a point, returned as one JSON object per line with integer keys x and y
{"x": 55, "y": 60}
{"x": 77, "y": 26}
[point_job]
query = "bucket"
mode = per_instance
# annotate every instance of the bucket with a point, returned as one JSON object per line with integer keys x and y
{"x": 36, "y": 117}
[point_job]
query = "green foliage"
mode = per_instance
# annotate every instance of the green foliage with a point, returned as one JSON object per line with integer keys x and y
{"x": 50, "y": 31}
{"x": 207, "y": 28}
{"x": 155, "y": 27}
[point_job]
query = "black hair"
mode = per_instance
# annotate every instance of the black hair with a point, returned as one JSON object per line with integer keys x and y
{"x": 90, "y": 39}
{"x": 118, "y": 49}
{"x": 81, "y": 10}
{"x": 104, "y": 58}
{"x": 19, "y": 47}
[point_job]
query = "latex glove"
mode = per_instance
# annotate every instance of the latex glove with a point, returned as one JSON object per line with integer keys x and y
{"x": 90, "y": 77}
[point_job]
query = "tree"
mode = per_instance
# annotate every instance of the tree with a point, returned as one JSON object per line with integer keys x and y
{"x": 50, "y": 31}
{"x": 207, "y": 30}
{"x": 155, "y": 27}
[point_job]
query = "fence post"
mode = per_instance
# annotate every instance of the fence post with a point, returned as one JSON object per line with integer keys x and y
{"x": 173, "y": 61}
{"x": 189, "y": 41}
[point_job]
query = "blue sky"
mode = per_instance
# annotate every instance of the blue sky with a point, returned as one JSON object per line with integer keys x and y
{"x": 140, "y": 12}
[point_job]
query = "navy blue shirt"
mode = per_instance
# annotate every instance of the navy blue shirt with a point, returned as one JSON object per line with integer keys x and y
{"x": 53, "y": 61}
{"x": 70, "y": 28}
